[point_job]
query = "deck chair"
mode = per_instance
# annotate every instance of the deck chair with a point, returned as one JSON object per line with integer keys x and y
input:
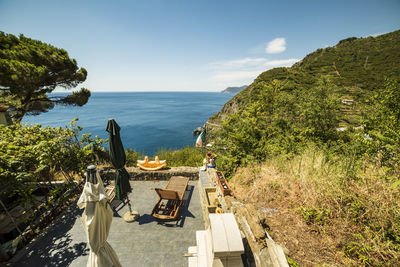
{"x": 170, "y": 198}
{"x": 110, "y": 192}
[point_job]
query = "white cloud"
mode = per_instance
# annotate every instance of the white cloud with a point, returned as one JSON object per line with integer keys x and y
{"x": 235, "y": 76}
{"x": 373, "y": 35}
{"x": 281, "y": 62}
{"x": 377, "y": 34}
{"x": 249, "y": 63}
{"x": 238, "y": 63}
{"x": 245, "y": 70}
{"x": 278, "y": 45}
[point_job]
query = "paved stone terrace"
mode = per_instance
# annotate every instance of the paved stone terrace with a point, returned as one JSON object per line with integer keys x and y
{"x": 143, "y": 243}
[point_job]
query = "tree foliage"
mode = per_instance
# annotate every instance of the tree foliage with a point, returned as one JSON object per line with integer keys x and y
{"x": 30, "y": 69}
{"x": 30, "y": 154}
{"x": 382, "y": 124}
{"x": 319, "y": 109}
{"x": 279, "y": 121}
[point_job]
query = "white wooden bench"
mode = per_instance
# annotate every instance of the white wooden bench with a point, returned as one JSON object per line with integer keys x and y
{"x": 220, "y": 245}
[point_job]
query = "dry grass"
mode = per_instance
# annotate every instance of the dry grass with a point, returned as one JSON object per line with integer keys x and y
{"x": 327, "y": 215}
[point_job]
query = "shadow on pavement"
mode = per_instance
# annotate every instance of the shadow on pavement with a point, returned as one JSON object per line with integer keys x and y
{"x": 185, "y": 206}
{"x": 146, "y": 218}
{"x": 55, "y": 248}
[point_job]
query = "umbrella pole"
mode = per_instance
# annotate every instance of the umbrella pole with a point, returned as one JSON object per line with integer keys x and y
{"x": 130, "y": 216}
{"x": 129, "y": 204}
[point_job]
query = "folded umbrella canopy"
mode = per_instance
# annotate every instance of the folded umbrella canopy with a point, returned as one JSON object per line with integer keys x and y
{"x": 96, "y": 218}
{"x": 118, "y": 160}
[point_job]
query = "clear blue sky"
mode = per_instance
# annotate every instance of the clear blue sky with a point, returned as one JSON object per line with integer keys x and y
{"x": 191, "y": 45}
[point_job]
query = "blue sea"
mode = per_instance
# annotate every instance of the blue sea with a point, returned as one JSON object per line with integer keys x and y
{"x": 148, "y": 120}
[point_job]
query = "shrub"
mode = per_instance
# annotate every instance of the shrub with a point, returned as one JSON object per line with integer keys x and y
{"x": 188, "y": 156}
{"x": 131, "y": 157}
{"x": 34, "y": 153}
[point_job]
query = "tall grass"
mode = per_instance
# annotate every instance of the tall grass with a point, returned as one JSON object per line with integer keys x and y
{"x": 346, "y": 209}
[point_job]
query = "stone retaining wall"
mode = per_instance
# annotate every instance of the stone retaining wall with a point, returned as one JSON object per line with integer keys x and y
{"x": 139, "y": 175}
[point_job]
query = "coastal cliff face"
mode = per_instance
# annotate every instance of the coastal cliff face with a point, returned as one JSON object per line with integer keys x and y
{"x": 230, "y": 107}
{"x": 357, "y": 65}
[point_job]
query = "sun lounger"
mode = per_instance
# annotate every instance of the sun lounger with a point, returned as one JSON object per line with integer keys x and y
{"x": 170, "y": 198}
{"x": 110, "y": 192}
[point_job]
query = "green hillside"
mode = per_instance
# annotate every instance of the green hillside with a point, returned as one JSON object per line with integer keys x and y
{"x": 285, "y": 109}
{"x": 283, "y": 144}
{"x": 357, "y": 65}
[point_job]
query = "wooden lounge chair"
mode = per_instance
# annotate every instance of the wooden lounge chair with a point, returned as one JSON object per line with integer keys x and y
{"x": 110, "y": 192}
{"x": 171, "y": 197}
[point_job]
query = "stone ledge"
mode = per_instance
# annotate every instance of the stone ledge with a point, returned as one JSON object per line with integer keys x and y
{"x": 137, "y": 174}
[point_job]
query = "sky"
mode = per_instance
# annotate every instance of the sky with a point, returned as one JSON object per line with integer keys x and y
{"x": 191, "y": 45}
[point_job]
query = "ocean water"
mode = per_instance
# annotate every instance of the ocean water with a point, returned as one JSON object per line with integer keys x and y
{"x": 148, "y": 120}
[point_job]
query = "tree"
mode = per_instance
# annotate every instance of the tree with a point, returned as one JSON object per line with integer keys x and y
{"x": 262, "y": 129}
{"x": 382, "y": 123}
{"x": 320, "y": 111}
{"x": 30, "y": 69}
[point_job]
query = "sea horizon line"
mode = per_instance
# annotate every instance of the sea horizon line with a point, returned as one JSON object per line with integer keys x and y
{"x": 142, "y": 92}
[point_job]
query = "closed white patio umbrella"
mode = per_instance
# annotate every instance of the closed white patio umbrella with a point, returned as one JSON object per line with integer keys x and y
{"x": 96, "y": 219}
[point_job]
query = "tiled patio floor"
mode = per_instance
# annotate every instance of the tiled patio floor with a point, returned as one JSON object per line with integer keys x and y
{"x": 142, "y": 243}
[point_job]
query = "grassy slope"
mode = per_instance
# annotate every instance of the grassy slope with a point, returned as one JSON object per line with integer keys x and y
{"x": 323, "y": 217}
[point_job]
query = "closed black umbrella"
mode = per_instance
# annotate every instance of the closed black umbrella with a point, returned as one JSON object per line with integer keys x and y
{"x": 118, "y": 159}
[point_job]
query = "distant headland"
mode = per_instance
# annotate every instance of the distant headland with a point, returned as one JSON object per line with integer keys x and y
{"x": 234, "y": 90}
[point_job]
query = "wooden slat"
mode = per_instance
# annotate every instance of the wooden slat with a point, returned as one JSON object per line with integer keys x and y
{"x": 110, "y": 192}
{"x": 178, "y": 184}
{"x": 173, "y": 194}
{"x": 167, "y": 194}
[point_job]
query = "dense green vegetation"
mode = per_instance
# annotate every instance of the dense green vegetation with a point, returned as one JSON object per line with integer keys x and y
{"x": 33, "y": 154}
{"x": 290, "y": 113}
{"x": 279, "y": 122}
{"x": 30, "y": 69}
